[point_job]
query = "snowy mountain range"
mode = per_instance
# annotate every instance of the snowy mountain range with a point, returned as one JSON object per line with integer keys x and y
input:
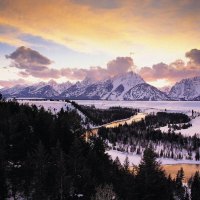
{"x": 129, "y": 86}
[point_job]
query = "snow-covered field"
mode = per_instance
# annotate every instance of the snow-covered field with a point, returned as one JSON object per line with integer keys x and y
{"x": 53, "y": 106}
{"x": 194, "y": 129}
{"x": 135, "y": 159}
{"x": 148, "y": 106}
{"x": 145, "y": 106}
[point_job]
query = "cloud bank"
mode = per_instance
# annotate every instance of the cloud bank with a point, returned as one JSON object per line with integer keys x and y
{"x": 32, "y": 63}
{"x": 175, "y": 71}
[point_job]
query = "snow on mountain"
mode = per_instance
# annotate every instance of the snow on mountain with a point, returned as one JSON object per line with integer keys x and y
{"x": 122, "y": 84}
{"x": 165, "y": 89}
{"x": 11, "y": 91}
{"x": 41, "y": 89}
{"x": 88, "y": 90}
{"x": 110, "y": 89}
{"x": 145, "y": 92}
{"x": 59, "y": 87}
{"x": 186, "y": 89}
{"x": 128, "y": 86}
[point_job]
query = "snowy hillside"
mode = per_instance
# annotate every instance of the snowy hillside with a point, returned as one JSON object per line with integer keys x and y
{"x": 186, "y": 89}
{"x": 145, "y": 92}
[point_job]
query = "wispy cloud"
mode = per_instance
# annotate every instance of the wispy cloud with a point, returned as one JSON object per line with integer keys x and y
{"x": 11, "y": 83}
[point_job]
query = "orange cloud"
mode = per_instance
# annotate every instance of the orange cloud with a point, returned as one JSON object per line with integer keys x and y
{"x": 110, "y": 26}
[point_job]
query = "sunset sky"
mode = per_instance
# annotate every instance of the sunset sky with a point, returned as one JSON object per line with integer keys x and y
{"x": 71, "y": 39}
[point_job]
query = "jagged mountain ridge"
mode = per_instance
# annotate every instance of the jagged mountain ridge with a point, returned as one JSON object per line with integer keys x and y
{"x": 41, "y": 90}
{"x": 110, "y": 89}
{"x": 129, "y": 86}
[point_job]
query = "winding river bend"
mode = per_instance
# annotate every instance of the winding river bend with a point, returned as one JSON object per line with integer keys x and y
{"x": 172, "y": 169}
{"x": 134, "y": 118}
{"x": 185, "y": 106}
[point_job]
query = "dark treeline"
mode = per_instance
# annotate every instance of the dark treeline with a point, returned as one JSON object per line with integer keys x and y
{"x": 163, "y": 118}
{"x": 136, "y": 137}
{"x": 103, "y": 116}
{"x": 42, "y": 156}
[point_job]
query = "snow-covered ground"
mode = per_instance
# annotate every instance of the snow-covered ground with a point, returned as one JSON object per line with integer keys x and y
{"x": 181, "y": 106}
{"x": 146, "y": 107}
{"x": 53, "y": 106}
{"x": 135, "y": 159}
{"x": 194, "y": 129}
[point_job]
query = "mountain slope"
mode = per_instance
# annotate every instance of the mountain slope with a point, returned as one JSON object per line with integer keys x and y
{"x": 145, "y": 92}
{"x": 122, "y": 84}
{"x": 186, "y": 89}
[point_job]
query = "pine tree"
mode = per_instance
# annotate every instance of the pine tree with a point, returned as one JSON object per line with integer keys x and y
{"x": 197, "y": 156}
{"x": 117, "y": 163}
{"x": 195, "y": 187}
{"x": 151, "y": 182}
{"x": 180, "y": 190}
{"x": 126, "y": 164}
{"x": 79, "y": 176}
{"x": 60, "y": 173}
{"x": 3, "y": 185}
{"x": 40, "y": 162}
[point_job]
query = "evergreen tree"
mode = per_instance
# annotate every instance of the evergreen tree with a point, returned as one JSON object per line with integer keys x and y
{"x": 3, "y": 185}
{"x": 151, "y": 183}
{"x": 195, "y": 187}
{"x": 117, "y": 163}
{"x": 197, "y": 156}
{"x": 61, "y": 184}
{"x": 40, "y": 162}
{"x": 79, "y": 173}
{"x": 180, "y": 189}
{"x": 126, "y": 164}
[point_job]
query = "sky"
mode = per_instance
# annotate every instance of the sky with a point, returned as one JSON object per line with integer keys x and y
{"x": 68, "y": 40}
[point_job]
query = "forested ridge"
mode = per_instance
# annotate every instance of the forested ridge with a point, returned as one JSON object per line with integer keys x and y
{"x": 43, "y": 156}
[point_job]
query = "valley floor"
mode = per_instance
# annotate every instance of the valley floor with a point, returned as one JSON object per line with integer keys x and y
{"x": 185, "y": 107}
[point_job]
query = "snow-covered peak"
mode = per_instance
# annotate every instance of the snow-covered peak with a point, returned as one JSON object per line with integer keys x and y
{"x": 165, "y": 89}
{"x": 186, "y": 89}
{"x": 87, "y": 81}
{"x": 40, "y": 84}
{"x": 122, "y": 84}
{"x": 52, "y": 83}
